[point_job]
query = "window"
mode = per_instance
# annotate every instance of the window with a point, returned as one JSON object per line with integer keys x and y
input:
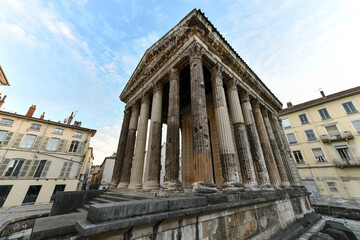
{"x": 35, "y": 127}
{"x": 14, "y": 168}
{"x": 298, "y": 157}
{"x": 2, "y": 136}
{"x": 28, "y": 141}
{"x": 333, "y": 131}
{"x": 349, "y": 107}
{"x": 40, "y": 168}
{"x": 319, "y": 155}
{"x": 286, "y": 123}
{"x": 332, "y": 187}
{"x": 4, "y": 192}
{"x": 78, "y": 134}
{"x": 324, "y": 114}
{"x": 356, "y": 124}
{"x": 6, "y": 122}
{"x": 32, "y": 194}
{"x": 344, "y": 153}
{"x": 58, "y": 130}
{"x": 52, "y": 145}
{"x": 59, "y": 188}
{"x": 303, "y": 119}
{"x": 74, "y": 146}
{"x": 291, "y": 138}
{"x": 310, "y": 135}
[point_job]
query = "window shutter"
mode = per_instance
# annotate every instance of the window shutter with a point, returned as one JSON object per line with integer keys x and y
{"x": 17, "y": 141}
{"x": 36, "y": 143}
{"x": 63, "y": 169}
{"x": 4, "y": 165}
{"x": 80, "y": 149}
{"x": 332, "y": 130}
{"x": 45, "y": 142}
{"x": 318, "y": 152}
{"x": 33, "y": 168}
{"x": 7, "y": 139}
{"x": 61, "y": 145}
{"x": 67, "y": 174}
{"x": 25, "y": 168}
{"x": 67, "y": 146}
{"x": 46, "y": 169}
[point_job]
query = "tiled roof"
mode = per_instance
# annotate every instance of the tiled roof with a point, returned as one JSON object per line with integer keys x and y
{"x": 321, "y": 100}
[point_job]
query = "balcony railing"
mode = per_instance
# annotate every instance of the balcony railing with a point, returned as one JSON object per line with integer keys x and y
{"x": 342, "y": 136}
{"x": 347, "y": 162}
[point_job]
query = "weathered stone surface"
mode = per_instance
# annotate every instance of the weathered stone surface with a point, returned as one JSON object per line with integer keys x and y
{"x": 321, "y": 236}
{"x": 120, "y": 153}
{"x": 338, "y": 226}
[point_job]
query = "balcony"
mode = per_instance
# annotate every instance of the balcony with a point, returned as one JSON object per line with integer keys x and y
{"x": 346, "y": 162}
{"x": 341, "y": 136}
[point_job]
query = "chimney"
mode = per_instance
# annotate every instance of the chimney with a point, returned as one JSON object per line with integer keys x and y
{"x": 2, "y": 101}
{"x": 42, "y": 115}
{"x": 31, "y": 111}
{"x": 322, "y": 93}
{"x": 77, "y": 124}
{"x": 289, "y": 104}
{"x": 70, "y": 118}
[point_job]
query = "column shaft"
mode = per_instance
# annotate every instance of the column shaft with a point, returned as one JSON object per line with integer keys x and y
{"x": 120, "y": 153}
{"x": 138, "y": 162}
{"x": 172, "y": 137}
{"x": 255, "y": 146}
{"x": 152, "y": 175}
{"x": 266, "y": 147}
{"x": 241, "y": 138}
{"x": 129, "y": 149}
{"x": 276, "y": 150}
{"x": 226, "y": 145}
{"x": 203, "y": 176}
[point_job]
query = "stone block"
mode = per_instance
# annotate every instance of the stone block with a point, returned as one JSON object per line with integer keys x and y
{"x": 340, "y": 227}
{"x": 321, "y": 236}
{"x": 336, "y": 234}
{"x": 186, "y": 202}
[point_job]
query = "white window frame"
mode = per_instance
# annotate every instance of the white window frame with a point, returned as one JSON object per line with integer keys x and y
{"x": 282, "y": 121}
{"x": 303, "y": 159}
{"x": 2, "y": 140}
{"x": 57, "y": 131}
{"x": 6, "y": 119}
{"x": 306, "y": 118}
{"x": 294, "y": 137}
{"x": 53, "y": 148}
{"x": 356, "y": 110}
{"x": 322, "y": 152}
{"x": 316, "y": 138}
{"x": 77, "y": 147}
{"x": 354, "y": 126}
{"x": 77, "y": 133}
{"x": 35, "y": 129}
{"x": 15, "y": 166}
{"x": 22, "y": 142}
{"x": 323, "y": 119}
{"x": 331, "y": 188}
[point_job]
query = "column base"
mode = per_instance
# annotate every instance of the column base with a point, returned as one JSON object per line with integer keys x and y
{"x": 151, "y": 185}
{"x": 113, "y": 185}
{"x": 123, "y": 185}
{"x": 172, "y": 186}
{"x": 232, "y": 187}
{"x": 248, "y": 187}
{"x": 135, "y": 186}
{"x": 267, "y": 187}
{"x": 206, "y": 188}
{"x": 285, "y": 185}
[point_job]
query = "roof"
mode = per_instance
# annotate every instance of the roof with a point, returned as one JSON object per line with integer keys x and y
{"x": 93, "y": 131}
{"x": 321, "y": 100}
{"x": 194, "y": 12}
{"x": 3, "y": 79}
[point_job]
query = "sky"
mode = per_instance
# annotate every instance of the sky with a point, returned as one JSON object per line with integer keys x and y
{"x": 77, "y": 55}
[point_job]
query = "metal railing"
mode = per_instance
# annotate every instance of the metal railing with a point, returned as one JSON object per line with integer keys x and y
{"x": 347, "y": 162}
{"x": 342, "y": 136}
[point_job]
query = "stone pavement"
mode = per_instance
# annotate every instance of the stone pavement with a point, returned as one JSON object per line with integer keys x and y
{"x": 351, "y": 224}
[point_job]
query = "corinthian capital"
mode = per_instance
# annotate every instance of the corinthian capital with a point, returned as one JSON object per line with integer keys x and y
{"x": 174, "y": 74}
{"x": 196, "y": 51}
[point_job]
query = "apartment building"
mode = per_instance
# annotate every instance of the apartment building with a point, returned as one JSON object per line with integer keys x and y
{"x": 324, "y": 137}
{"x": 39, "y": 157}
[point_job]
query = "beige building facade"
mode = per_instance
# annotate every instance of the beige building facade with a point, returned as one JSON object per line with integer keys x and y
{"x": 39, "y": 157}
{"x": 324, "y": 138}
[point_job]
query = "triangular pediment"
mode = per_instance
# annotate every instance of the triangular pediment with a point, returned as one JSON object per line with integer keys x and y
{"x": 195, "y": 23}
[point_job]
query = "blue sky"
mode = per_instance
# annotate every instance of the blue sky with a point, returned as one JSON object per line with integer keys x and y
{"x": 66, "y": 56}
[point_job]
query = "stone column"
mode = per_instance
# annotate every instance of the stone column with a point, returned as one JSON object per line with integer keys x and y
{"x": 203, "y": 176}
{"x": 232, "y": 182}
{"x": 284, "y": 155}
{"x": 241, "y": 139}
{"x": 276, "y": 150}
{"x": 290, "y": 160}
{"x": 138, "y": 162}
{"x": 255, "y": 146}
{"x": 152, "y": 173}
{"x": 129, "y": 149}
{"x": 266, "y": 146}
{"x": 172, "y": 138}
{"x": 120, "y": 153}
